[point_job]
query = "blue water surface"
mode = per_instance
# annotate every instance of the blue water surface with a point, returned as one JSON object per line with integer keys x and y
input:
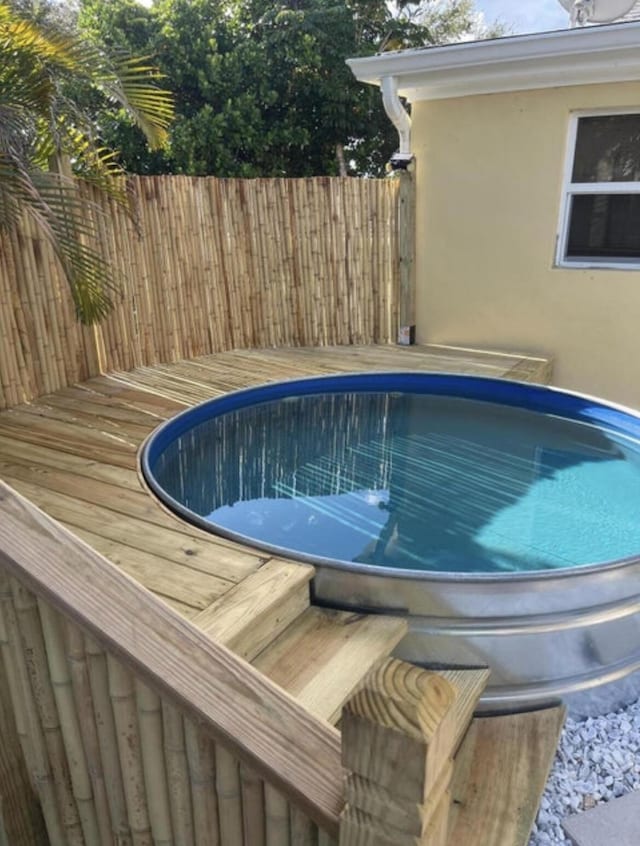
{"x": 414, "y": 481}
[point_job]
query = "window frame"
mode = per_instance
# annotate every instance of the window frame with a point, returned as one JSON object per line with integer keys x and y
{"x": 571, "y": 189}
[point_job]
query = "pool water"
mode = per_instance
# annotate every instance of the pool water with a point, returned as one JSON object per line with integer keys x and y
{"x": 411, "y": 481}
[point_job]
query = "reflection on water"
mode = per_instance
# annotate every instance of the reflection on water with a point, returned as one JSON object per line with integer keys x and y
{"x": 408, "y": 480}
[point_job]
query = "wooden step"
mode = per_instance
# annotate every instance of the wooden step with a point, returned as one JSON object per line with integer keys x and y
{"x": 322, "y": 657}
{"x": 499, "y": 775}
{"x": 253, "y": 613}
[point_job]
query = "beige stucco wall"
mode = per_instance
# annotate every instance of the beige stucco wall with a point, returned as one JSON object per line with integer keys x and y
{"x": 489, "y": 174}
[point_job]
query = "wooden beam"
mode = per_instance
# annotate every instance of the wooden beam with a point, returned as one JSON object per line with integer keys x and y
{"x": 398, "y": 737}
{"x": 255, "y": 720}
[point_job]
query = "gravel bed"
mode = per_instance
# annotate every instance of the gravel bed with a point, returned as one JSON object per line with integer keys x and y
{"x": 598, "y": 759}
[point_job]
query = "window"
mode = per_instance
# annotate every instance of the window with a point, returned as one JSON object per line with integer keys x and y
{"x": 600, "y": 225}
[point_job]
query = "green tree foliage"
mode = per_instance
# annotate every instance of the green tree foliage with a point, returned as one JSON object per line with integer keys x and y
{"x": 261, "y": 87}
{"x": 45, "y": 65}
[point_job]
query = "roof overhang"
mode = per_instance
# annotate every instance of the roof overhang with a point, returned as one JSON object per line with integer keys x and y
{"x": 578, "y": 56}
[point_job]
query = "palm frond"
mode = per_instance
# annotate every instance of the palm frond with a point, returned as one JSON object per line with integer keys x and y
{"x": 39, "y": 121}
{"x": 132, "y": 86}
{"x": 62, "y": 218}
{"x": 73, "y": 223}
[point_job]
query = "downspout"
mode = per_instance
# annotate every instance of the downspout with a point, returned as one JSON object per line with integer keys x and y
{"x": 406, "y": 224}
{"x": 397, "y": 114}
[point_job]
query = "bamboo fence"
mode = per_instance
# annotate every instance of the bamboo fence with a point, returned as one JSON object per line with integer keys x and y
{"x": 138, "y": 730}
{"x": 156, "y": 779}
{"x": 112, "y": 759}
{"x": 206, "y": 265}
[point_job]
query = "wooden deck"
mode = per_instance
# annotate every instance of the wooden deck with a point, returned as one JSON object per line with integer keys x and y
{"x": 74, "y": 453}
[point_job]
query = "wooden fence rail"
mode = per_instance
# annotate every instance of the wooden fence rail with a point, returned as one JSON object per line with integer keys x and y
{"x": 207, "y": 265}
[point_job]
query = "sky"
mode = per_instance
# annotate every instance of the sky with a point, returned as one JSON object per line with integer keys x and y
{"x": 525, "y": 15}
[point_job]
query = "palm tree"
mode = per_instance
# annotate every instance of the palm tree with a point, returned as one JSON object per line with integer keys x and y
{"x": 41, "y": 123}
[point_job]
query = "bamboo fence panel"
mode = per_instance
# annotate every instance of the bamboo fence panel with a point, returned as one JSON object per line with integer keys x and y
{"x": 114, "y": 762}
{"x": 205, "y": 265}
{"x": 111, "y": 756}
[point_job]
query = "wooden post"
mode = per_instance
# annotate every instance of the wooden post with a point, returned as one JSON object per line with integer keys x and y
{"x": 406, "y": 257}
{"x": 398, "y": 736}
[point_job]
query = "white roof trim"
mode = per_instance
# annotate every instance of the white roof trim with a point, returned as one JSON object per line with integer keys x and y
{"x": 579, "y": 56}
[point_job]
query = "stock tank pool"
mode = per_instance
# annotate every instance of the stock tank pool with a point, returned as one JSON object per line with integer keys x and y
{"x": 503, "y": 519}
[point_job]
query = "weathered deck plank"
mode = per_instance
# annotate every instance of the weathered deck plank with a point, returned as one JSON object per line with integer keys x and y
{"x": 499, "y": 777}
{"x": 74, "y": 453}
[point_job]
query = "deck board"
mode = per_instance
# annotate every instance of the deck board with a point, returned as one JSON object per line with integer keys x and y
{"x": 74, "y": 453}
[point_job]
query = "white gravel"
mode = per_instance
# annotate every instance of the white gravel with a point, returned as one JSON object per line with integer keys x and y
{"x": 598, "y": 759}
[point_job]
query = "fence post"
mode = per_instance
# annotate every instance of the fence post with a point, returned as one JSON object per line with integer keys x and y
{"x": 398, "y": 733}
{"x": 406, "y": 257}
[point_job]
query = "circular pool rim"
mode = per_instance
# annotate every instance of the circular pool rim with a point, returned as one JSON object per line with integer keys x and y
{"x": 540, "y": 398}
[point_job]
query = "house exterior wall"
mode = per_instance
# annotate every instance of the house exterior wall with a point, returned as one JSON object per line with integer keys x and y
{"x": 489, "y": 181}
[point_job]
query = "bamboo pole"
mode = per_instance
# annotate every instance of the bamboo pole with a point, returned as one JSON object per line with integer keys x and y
{"x": 145, "y": 278}
{"x": 38, "y": 671}
{"x": 153, "y": 764}
{"x": 215, "y": 330}
{"x": 27, "y": 722}
{"x": 71, "y": 736}
{"x": 202, "y": 776}
{"x": 303, "y": 831}
{"x": 107, "y": 741}
{"x": 20, "y": 815}
{"x": 27, "y": 359}
{"x": 253, "y": 807}
{"x": 277, "y": 826}
{"x": 121, "y": 692}
{"x": 34, "y": 312}
{"x": 229, "y": 798}
{"x": 11, "y": 357}
{"x": 178, "y": 784}
{"x": 83, "y": 700}
{"x": 19, "y": 760}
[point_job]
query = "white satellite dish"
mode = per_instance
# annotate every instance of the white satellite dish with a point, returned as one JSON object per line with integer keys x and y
{"x": 596, "y": 11}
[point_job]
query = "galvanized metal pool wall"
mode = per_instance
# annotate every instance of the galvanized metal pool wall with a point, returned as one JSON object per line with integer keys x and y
{"x": 572, "y": 635}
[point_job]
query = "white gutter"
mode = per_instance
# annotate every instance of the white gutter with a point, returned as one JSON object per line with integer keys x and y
{"x": 398, "y": 116}
{"x": 581, "y": 56}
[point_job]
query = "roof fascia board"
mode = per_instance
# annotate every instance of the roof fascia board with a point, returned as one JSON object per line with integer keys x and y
{"x": 542, "y": 60}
